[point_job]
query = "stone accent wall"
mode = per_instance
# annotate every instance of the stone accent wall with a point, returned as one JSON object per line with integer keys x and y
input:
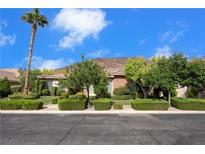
{"x": 118, "y": 82}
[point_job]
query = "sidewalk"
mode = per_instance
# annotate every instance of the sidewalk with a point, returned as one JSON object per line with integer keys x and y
{"x": 53, "y": 109}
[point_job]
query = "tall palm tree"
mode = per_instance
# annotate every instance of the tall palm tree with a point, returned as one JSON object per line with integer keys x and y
{"x": 35, "y": 19}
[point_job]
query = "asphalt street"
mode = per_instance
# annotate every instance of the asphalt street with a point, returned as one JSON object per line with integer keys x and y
{"x": 120, "y": 129}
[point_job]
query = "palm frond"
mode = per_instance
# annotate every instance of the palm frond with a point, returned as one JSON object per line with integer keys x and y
{"x": 35, "y": 18}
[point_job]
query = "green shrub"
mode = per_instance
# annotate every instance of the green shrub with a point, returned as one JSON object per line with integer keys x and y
{"x": 22, "y": 96}
{"x": 16, "y": 89}
{"x": 54, "y": 100}
{"x": 45, "y": 92}
{"x": 78, "y": 95}
{"x": 64, "y": 95}
{"x": 53, "y": 91}
{"x": 10, "y": 104}
{"x": 121, "y": 97}
{"x": 102, "y": 104}
{"x": 20, "y": 104}
{"x": 31, "y": 105}
{"x": 192, "y": 93}
{"x": 118, "y": 105}
{"x": 5, "y": 88}
{"x": 149, "y": 104}
{"x": 121, "y": 91}
{"x": 71, "y": 104}
{"x": 188, "y": 103}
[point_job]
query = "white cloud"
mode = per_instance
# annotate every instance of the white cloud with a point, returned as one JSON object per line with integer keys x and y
{"x": 79, "y": 24}
{"x": 165, "y": 51}
{"x": 171, "y": 36}
{"x": 3, "y": 24}
{"x": 142, "y": 42}
{"x": 40, "y": 63}
{"x": 5, "y": 39}
{"x": 98, "y": 54}
{"x": 178, "y": 29}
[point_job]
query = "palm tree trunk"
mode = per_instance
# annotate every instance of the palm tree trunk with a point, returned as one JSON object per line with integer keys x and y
{"x": 26, "y": 85}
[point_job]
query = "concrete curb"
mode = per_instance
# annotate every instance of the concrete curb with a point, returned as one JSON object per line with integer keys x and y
{"x": 100, "y": 112}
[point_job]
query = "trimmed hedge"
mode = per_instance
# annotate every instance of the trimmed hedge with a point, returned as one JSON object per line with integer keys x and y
{"x": 102, "y": 104}
{"x": 10, "y": 104}
{"x": 121, "y": 97}
{"x": 71, "y": 104}
{"x": 22, "y": 96}
{"x": 118, "y": 105}
{"x": 32, "y": 105}
{"x": 188, "y": 103}
{"x": 20, "y": 104}
{"x": 149, "y": 104}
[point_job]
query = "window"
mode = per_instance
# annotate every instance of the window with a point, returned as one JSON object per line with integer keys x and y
{"x": 109, "y": 86}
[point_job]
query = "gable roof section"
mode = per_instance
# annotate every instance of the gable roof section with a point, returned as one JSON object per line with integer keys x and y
{"x": 112, "y": 66}
{"x": 51, "y": 77}
{"x": 11, "y": 74}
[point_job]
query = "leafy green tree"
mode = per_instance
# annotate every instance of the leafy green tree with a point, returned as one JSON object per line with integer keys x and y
{"x": 178, "y": 66}
{"x": 35, "y": 19}
{"x": 196, "y": 74}
{"x": 5, "y": 88}
{"x": 32, "y": 79}
{"x": 136, "y": 70}
{"x": 163, "y": 77}
{"x": 84, "y": 74}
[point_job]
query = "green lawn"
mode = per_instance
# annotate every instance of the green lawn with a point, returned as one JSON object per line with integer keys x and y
{"x": 46, "y": 99}
{"x": 124, "y": 102}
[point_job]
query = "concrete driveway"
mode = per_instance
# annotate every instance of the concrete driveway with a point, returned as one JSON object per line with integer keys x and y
{"x": 102, "y": 129}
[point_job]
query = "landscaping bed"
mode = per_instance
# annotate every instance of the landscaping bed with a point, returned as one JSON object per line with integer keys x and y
{"x": 149, "y": 104}
{"x": 20, "y": 104}
{"x": 118, "y": 106}
{"x": 102, "y": 104}
{"x": 189, "y": 103}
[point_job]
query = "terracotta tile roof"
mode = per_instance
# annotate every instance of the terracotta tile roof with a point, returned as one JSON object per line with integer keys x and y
{"x": 11, "y": 74}
{"x": 53, "y": 76}
{"x": 113, "y": 66}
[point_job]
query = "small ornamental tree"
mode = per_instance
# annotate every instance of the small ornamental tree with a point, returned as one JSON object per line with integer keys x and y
{"x": 100, "y": 88}
{"x": 136, "y": 69}
{"x": 5, "y": 88}
{"x": 84, "y": 74}
{"x": 162, "y": 77}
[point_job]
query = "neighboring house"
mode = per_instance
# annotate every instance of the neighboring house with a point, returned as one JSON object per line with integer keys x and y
{"x": 52, "y": 80}
{"x": 11, "y": 74}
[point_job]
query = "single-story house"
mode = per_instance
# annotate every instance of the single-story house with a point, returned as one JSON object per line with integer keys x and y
{"x": 11, "y": 74}
{"x": 114, "y": 68}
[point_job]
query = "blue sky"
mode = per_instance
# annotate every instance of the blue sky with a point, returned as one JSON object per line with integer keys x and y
{"x": 98, "y": 33}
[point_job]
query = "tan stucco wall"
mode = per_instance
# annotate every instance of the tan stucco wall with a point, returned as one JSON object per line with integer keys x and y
{"x": 119, "y": 82}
